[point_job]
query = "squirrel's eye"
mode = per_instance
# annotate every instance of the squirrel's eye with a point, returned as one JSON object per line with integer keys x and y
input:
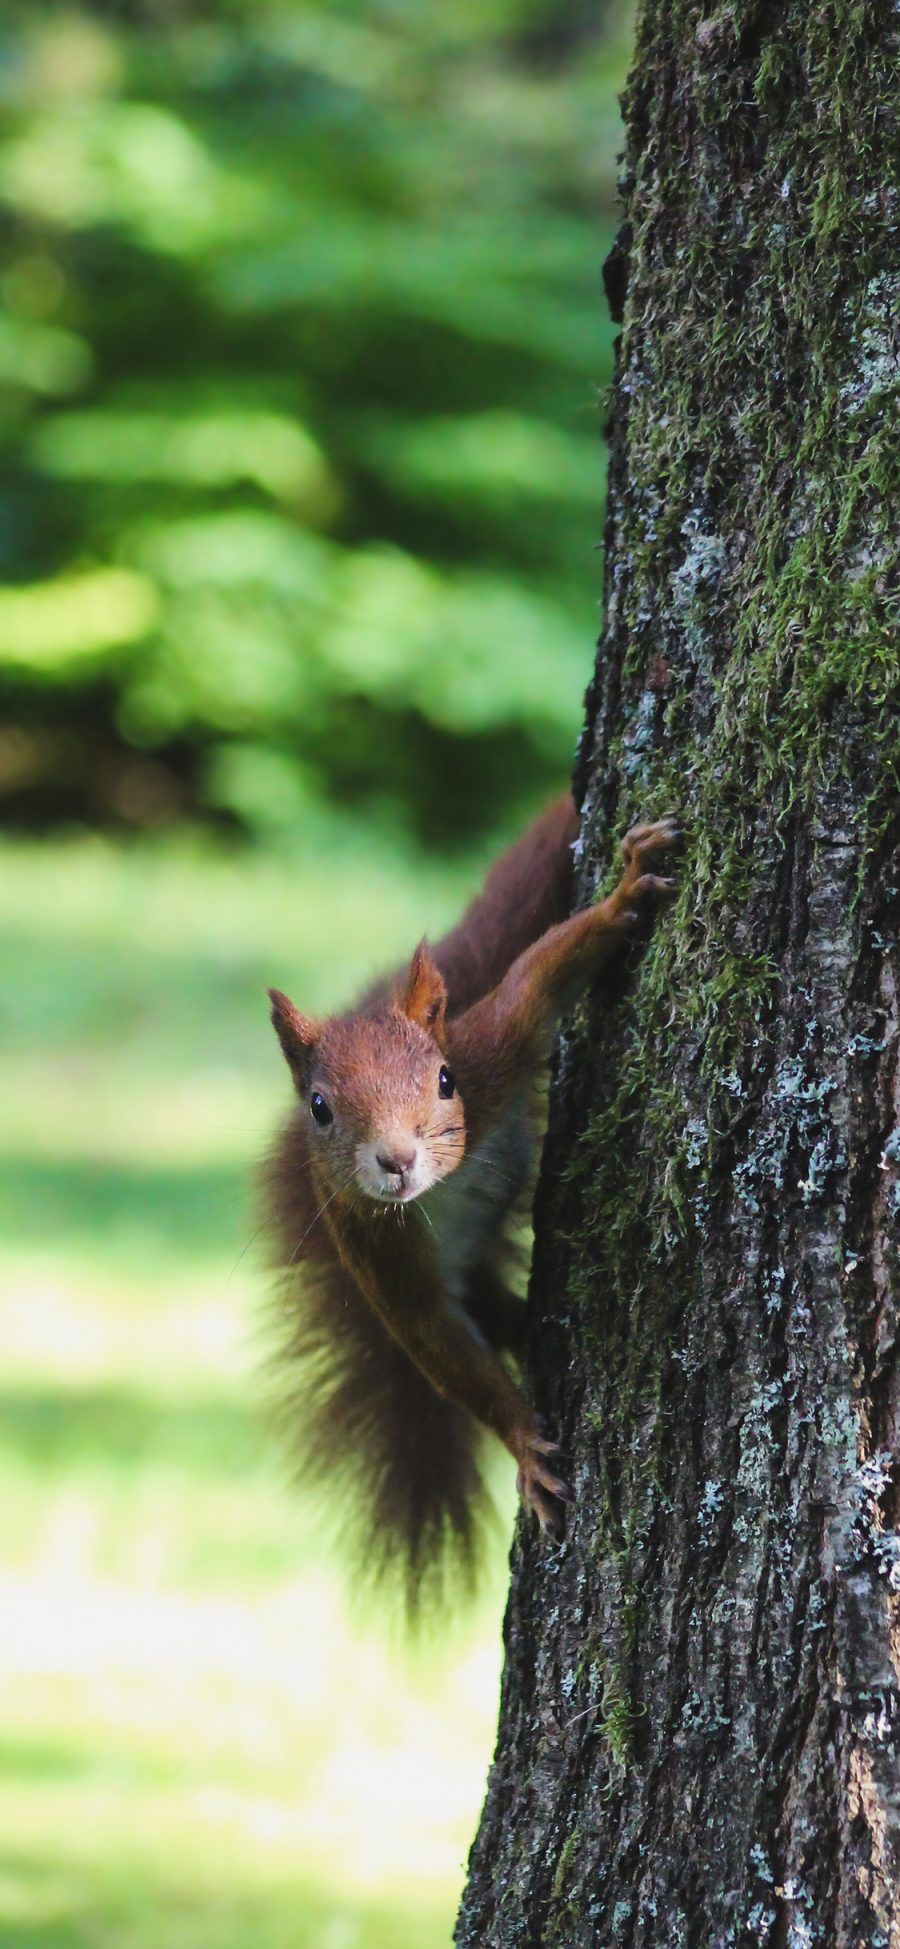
{"x": 446, "y": 1084}
{"x": 320, "y": 1109}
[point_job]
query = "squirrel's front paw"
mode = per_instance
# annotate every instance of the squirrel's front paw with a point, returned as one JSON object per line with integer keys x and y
{"x": 538, "y": 1487}
{"x": 640, "y": 848}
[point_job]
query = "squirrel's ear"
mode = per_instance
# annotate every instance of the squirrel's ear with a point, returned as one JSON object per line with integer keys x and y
{"x": 295, "y": 1032}
{"x": 425, "y": 996}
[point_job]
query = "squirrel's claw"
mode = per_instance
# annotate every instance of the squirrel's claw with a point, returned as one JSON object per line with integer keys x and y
{"x": 543, "y": 1446}
{"x": 541, "y": 1490}
{"x": 640, "y": 890}
{"x": 653, "y": 884}
{"x": 642, "y": 842}
{"x": 549, "y": 1514}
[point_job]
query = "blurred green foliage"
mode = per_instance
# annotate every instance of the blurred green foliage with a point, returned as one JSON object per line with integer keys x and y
{"x": 301, "y": 337}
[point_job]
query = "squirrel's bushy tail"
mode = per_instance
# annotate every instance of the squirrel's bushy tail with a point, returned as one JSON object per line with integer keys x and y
{"x": 398, "y": 1464}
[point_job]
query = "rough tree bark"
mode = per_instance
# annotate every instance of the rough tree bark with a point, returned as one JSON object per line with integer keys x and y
{"x": 700, "y": 1724}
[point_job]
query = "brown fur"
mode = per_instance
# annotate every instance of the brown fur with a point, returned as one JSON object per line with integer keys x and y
{"x": 401, "y": 1318}
{"x": 398, "y": 1464}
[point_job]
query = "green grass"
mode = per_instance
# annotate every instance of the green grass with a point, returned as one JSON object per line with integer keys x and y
{"x": 202, "y": 1745}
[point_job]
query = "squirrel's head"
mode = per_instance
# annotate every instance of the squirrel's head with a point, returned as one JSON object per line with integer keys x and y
{"x": 385, "y": 1116}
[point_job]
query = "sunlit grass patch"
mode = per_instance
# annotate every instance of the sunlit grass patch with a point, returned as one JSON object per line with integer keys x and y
{"x": 182, "y": 1747}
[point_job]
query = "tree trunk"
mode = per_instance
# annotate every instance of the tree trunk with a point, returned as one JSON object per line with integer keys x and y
{"x": 700, "y": 1722}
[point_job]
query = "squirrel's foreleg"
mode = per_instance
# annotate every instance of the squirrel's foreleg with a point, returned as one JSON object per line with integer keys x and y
{"x": 568, "y": 956}
{"x": 397, "y": 1273}
{"x": 496, "y": 1042}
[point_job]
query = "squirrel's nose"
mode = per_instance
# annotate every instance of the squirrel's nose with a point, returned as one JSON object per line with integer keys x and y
{"x": 396, "y": 1164}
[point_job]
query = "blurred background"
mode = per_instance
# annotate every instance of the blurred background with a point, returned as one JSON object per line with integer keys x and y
{"x": 302, "y": 356}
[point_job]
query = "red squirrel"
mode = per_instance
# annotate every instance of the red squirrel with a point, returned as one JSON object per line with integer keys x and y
{"x": 393, "y": 1182}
